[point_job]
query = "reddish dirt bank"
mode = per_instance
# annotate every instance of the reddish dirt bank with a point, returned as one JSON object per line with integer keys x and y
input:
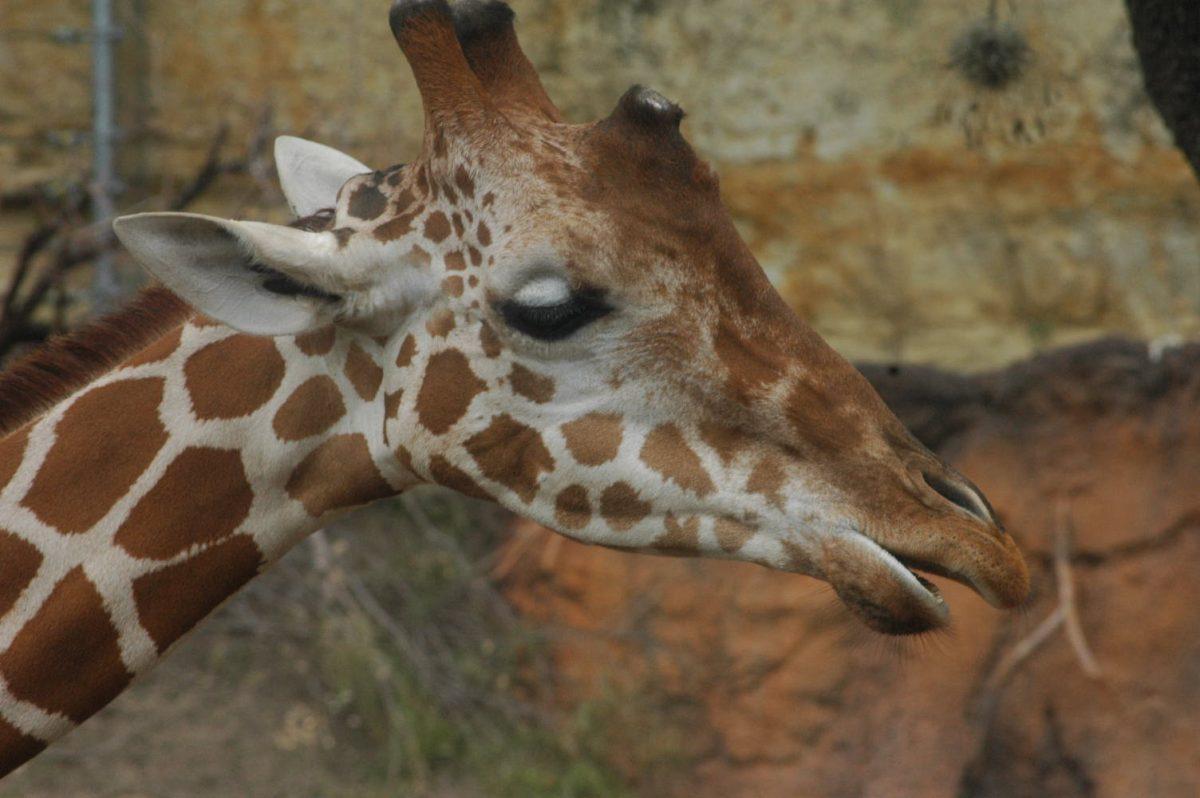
{"x": 770, "y": 689}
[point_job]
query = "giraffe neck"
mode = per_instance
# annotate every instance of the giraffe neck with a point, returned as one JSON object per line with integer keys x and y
{"x": 134, "y": 508}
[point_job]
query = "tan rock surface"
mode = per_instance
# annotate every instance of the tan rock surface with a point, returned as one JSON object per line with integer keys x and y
{"x": 794, "y": 698}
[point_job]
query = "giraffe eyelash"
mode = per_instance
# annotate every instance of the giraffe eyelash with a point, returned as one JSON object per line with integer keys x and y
{"x": 555, "y": 322}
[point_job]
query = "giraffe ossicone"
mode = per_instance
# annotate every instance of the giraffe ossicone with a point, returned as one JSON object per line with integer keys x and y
{"x": 560, "y": 318}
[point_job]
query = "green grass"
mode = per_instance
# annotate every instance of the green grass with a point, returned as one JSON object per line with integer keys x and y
{"x": 428, "y": 672}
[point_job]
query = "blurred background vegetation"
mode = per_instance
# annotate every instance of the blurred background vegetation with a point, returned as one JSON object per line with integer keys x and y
{"x": 916, "y": 199}
{"x": 378, "y": 659}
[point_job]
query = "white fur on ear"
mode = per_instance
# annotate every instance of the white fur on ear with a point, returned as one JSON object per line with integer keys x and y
{"x": 311, "y": 174}
{"x": 258, "y": 278}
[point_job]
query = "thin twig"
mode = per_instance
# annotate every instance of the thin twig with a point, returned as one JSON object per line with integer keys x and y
{"x": 1065, "y": 615}
{"x": 1063, "y": 529}
{"x": 209, "y": 171}
{"x": 66, "y": 244}
{"x": 1022, "y": 651}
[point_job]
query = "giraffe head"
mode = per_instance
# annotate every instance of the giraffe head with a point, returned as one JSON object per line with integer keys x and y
{"x": 571, "y": 326}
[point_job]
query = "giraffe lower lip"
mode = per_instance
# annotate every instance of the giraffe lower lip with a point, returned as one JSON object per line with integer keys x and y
{"x": 883, "y": 591}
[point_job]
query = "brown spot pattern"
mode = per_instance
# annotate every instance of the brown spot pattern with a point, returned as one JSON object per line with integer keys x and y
{"x": 16, "y": 748}
{"x": 732, "y": 535}
{"x": 594, "y": 439}
{"x": 158, "y": 351}
{"x": 441, "y": 325}
{"x": 363, "y": 372}
{"x": 19, "y": 564}
{"x": 622, "y": 507}
{"x": 453, "y": 286}
{"x": 489, "y": 340}
{"x": 311, "y": 409}
{"x": 339, "y": 473}
{"x": 721, "y": 439}
{"x": 391, "y": 404}
{"x": 103, "y": 444}
{"x": 437, "y": 227}
{"x": 173, "y": 600}
{"x": 666, "y": 452}
{"x": 233, "y": 377}
{"x": 66, "y": 659}
{"x": 572, "y": 509}
{"x": 418, "y": 257}
{"x": 456, "y": 262}
{"x": 533, "y": 386}
{"x": 408, "y": 350}
{"x": 317, "y": 342}
{"x": 447, "y": 391}
{"x": 203, "y": 496}
{"x": 445, "y": 473}
{"x": 12, "y": 452}
{"x": 680, "y": 538}
{"x": 397, "y": 228}
{"x": 766, "y": 479}
{"x": 484, "y": 235}
{"x": 404, "y": 201}
{"x": 367, "y": 202}
{"x": 512, "y": 454}
{"x": 406, "y": 459}
{"x": 462, "y": 179}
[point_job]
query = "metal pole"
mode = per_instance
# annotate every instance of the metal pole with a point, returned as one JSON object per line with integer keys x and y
{"x": 105, "y": 287}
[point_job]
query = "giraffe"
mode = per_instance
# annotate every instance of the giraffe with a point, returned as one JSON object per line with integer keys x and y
{"x": 560, "y": 318}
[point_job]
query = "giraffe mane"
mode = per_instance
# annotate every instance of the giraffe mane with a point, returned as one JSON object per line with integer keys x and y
{"x": 64, "y": 364}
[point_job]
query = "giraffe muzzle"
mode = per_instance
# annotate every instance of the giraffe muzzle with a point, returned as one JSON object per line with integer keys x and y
{"x": 879, "y": 571}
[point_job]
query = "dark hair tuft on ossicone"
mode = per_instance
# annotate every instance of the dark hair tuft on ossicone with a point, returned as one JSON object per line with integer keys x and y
{"x": 403, "y": 11}
{"x": 648, "y": 107}
{"x": 474, "y": 19}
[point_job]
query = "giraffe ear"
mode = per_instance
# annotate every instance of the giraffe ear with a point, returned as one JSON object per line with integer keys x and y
{"x": 263, "y": 279}
{"x": 311, "y": 174}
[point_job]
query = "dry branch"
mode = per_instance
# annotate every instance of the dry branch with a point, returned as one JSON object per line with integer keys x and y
{"x": 1065, "y": 615}
{"x": 1063, "y": 529}
{"x": 63, "y": 242}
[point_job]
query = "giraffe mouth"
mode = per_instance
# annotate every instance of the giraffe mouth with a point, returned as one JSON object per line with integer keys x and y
{"x": 883, "y": 588}
{"x": 915, "y": 564}
{"x": 925, "y": 591}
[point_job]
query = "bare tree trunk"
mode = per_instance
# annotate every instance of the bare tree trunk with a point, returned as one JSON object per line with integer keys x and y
{"x": 1166, "y": 35}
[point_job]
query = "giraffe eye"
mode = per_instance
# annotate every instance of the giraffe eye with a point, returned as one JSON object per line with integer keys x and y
{"x": 558, "y": 320}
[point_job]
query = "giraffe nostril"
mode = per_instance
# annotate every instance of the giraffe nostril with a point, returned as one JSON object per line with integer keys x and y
{"x": 963, "y": 495}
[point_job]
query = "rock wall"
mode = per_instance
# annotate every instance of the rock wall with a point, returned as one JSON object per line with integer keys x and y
{"x": 774, "y": 690}
{"x": 909, "y": 213}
